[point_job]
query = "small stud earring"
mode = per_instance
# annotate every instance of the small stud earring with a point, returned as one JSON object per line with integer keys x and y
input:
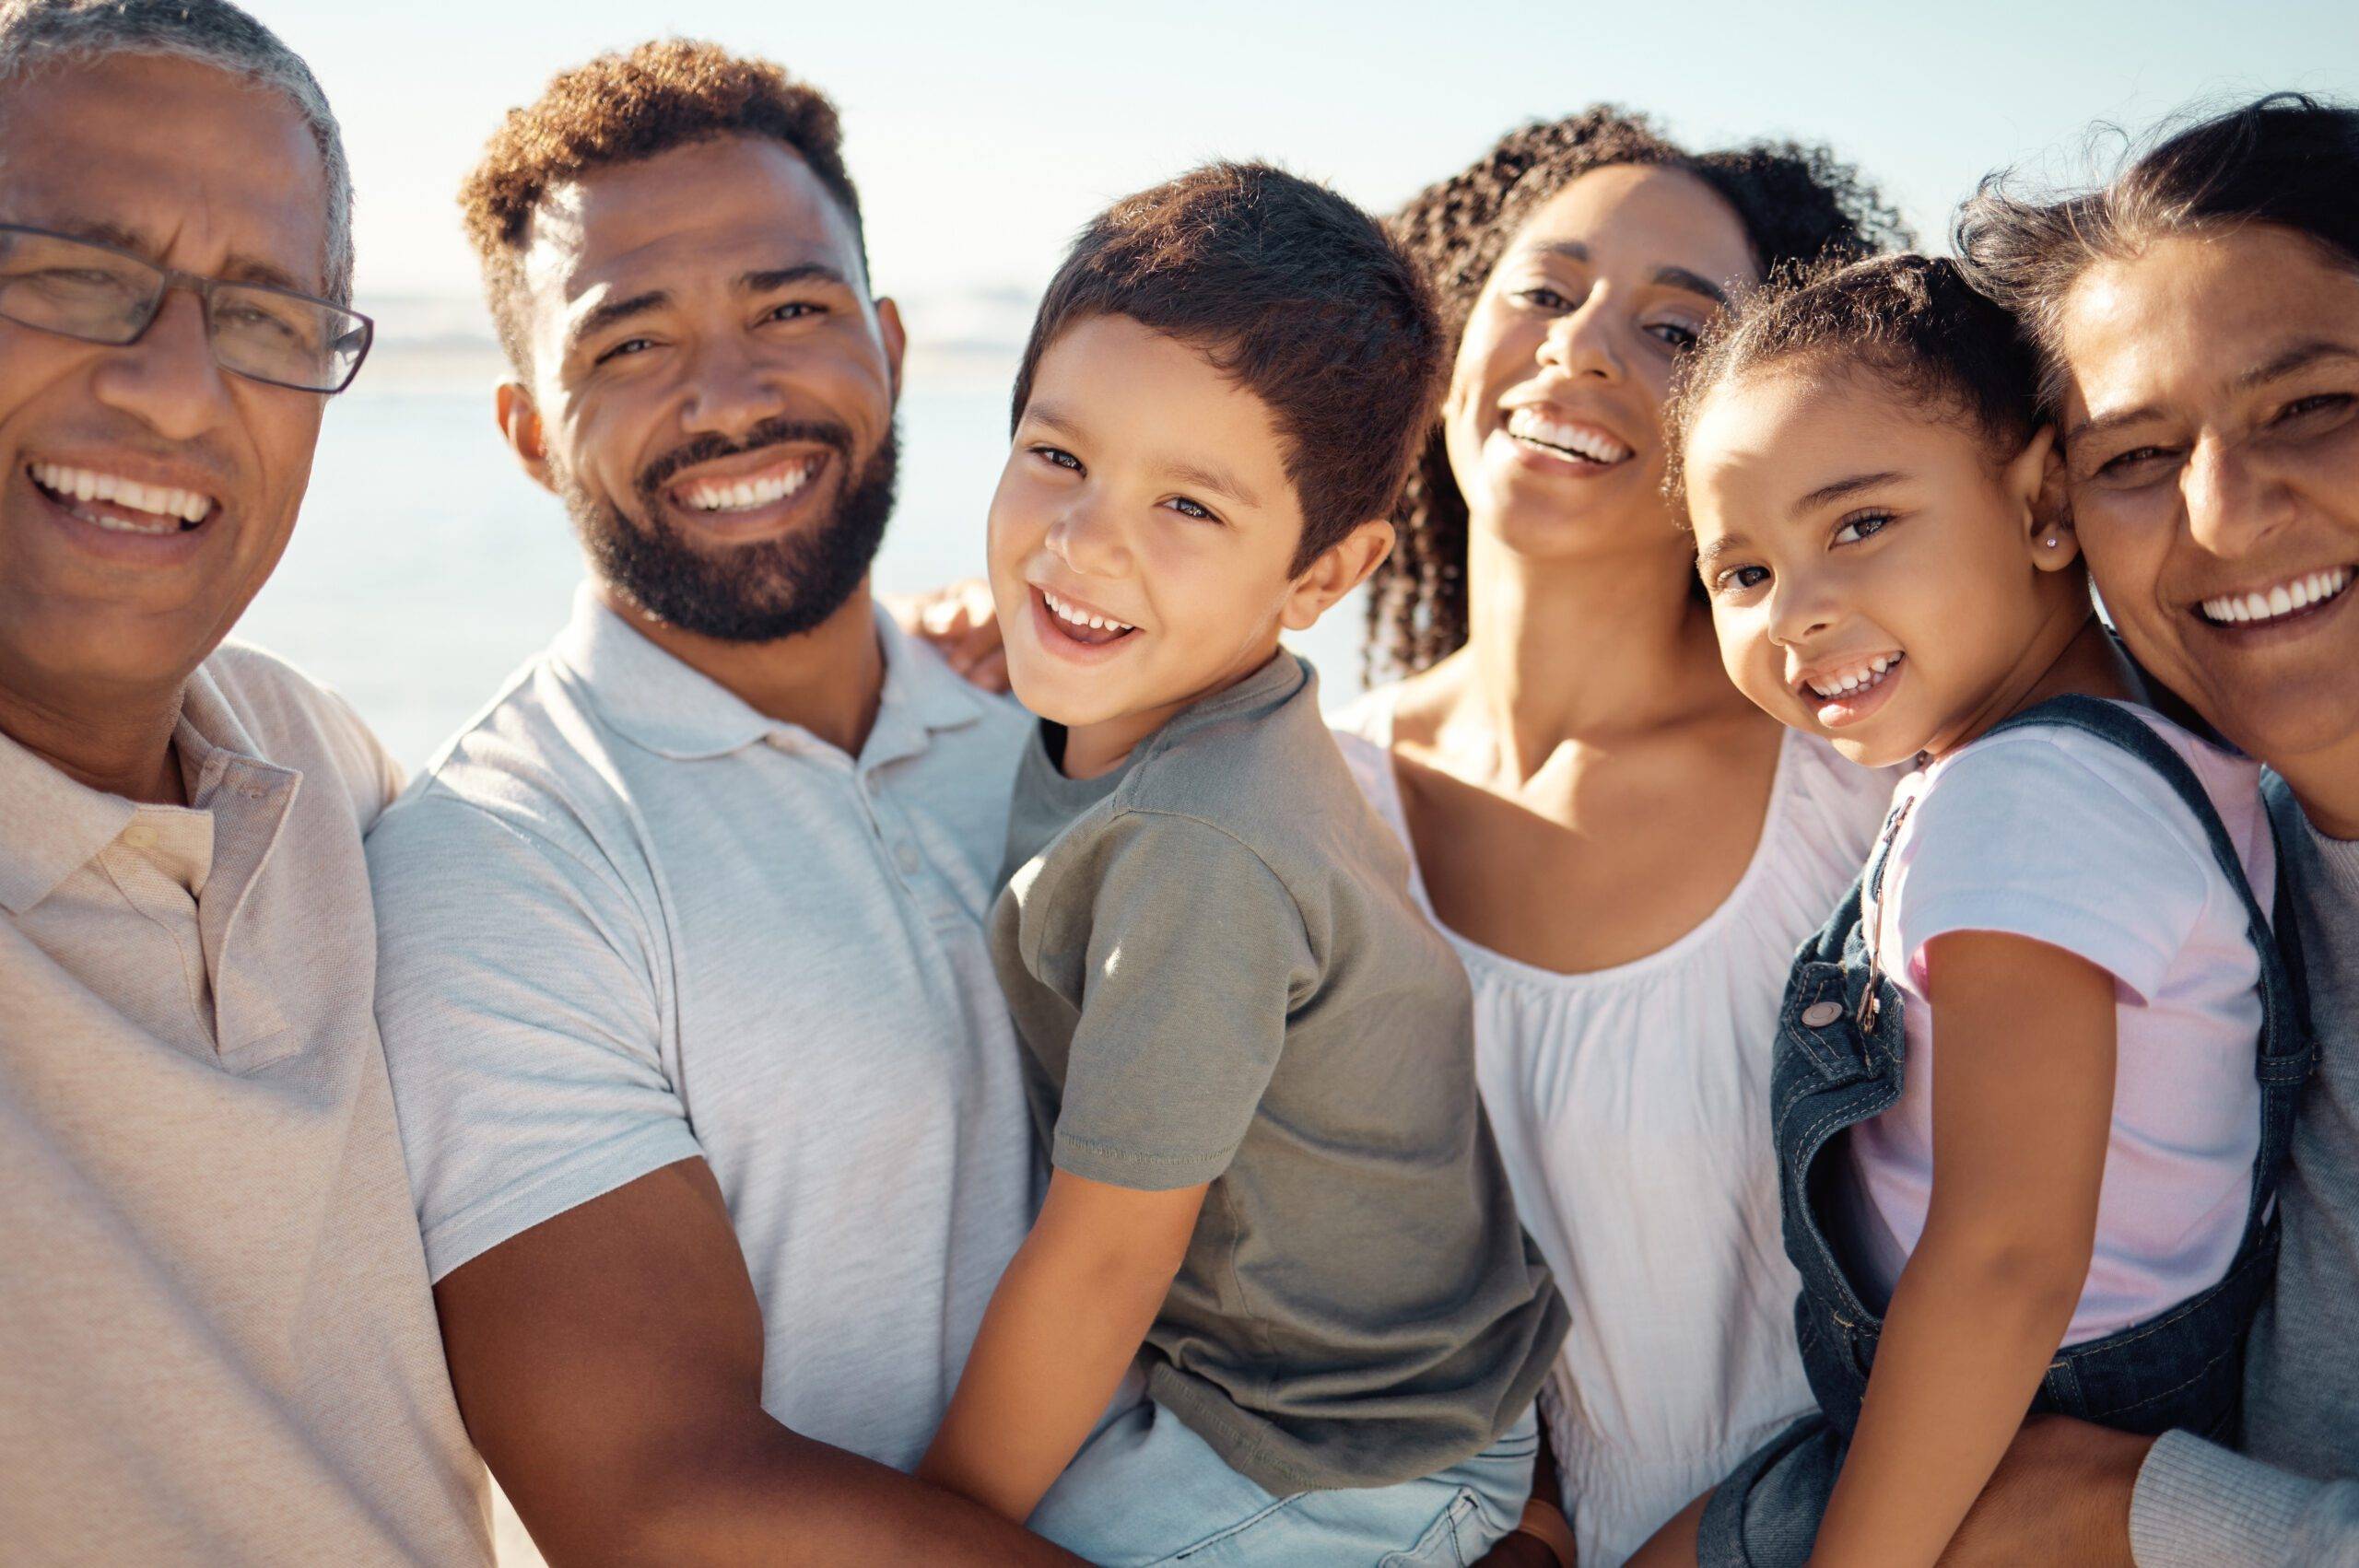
{"x": 2053, "y": 541}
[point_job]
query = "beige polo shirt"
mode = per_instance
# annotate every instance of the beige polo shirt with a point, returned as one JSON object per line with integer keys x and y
{"x": 216, "y": 1342}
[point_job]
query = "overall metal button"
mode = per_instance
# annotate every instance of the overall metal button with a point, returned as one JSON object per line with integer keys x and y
{"x": 1819, "y": 1014}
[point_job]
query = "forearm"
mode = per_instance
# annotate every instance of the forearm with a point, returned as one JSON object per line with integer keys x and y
{"x": 750, "y": 1493}
{"x": 2197, "y": 1504}
{"x": 1064, "y": 1324}
{"x": 1968, "y": 1336}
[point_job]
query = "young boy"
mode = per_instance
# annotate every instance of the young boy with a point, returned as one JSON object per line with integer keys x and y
{"x": 1274, "y": 1186}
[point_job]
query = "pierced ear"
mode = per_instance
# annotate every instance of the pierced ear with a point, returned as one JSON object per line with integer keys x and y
{"x": 519, "y": 425}
{"x": 2035, "y": 478}
{"x": 1340, "y": 567}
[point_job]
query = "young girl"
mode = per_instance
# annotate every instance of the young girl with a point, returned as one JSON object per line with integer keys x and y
{"x": 2036, "y": 1077}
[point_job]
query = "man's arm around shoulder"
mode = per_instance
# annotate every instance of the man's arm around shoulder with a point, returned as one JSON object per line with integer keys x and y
{"x": 609, "y": 1365}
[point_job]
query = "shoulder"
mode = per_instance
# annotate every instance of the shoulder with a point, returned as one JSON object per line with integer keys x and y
{"x": 2047, "y": 784}
{"x": 1274, "y": 781}
{"x": 297, "y": 722}
{"x": 534, "y": 773}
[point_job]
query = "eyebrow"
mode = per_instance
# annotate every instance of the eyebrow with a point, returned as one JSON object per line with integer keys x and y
{"x": 1198, "y": 475}
{"x": 1727, "y": 544}
{"x": 1691, "y": 283}
{"x": 1665, "y": 276}
{"x": 239, "y": 269}
{"x": 773, "y": 279}
{"x": 2301, "y": 357}
{"x": 1842, "y": 487}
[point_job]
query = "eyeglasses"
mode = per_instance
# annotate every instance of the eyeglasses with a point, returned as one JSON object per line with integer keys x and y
{"x": 81, "y": 289}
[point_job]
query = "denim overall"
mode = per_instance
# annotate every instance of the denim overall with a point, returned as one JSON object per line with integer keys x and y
{"x": 1840, "y": 1057}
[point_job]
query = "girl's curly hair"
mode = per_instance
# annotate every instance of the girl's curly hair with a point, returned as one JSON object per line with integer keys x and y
{"x": 1795, "y": 202}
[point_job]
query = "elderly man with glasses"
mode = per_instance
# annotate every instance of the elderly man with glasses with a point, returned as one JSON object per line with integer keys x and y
{"x": 217, "y": 1343}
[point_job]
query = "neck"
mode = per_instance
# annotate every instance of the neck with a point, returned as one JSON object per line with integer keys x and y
{"x": 2327, "y": 784}
{"x": 116, "y": 741}
{"x": 1095, "y": 749}
{"x": 829, "y": 680}
{"x": 1565, "y": 650}
{"x": 2070, "y": 654}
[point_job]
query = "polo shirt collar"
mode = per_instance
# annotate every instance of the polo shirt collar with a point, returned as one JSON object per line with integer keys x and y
{"x": 51, "y": 825}
{"x": 659, "y": 702}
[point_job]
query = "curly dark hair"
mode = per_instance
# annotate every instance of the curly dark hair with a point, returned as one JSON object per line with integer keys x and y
{"x": 1293, "y": 293}
{"x": 2288, "y": 158}
{"x": 1795, "y": 202}
{"x": 624, "y": 107}
{"x": 1914, "y": 322}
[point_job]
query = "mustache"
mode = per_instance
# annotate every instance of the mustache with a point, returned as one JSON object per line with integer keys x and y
{"x": 708, "y": 448}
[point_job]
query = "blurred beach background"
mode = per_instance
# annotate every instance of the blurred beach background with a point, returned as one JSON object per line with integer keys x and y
{"x": 426, "y": 567}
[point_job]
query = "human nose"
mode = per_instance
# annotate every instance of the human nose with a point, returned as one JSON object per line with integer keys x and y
{"x": 1800, "y": 607}
{"x": 1088, "y": 541}
{"x": 1580, "y": 342}
{"x": 730, "y": 390}
{"x": 167, "y": 378}
{"x": 2232, "y": 502}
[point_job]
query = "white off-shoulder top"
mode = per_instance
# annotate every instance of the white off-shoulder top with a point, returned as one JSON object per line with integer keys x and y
{"x": 1631, "y": 1108}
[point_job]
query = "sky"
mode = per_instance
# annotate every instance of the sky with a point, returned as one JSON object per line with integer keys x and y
{"x": 982, "y": 136}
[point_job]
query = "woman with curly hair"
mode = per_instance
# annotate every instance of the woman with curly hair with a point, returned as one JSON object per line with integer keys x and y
{"x": 1624, "y": 850}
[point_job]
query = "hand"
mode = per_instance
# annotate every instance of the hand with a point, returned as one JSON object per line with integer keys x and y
{"x": 2060, "y": 1495}
{"x": 960, "y": 622}
{"x": 1521, "y": 1551}
{"x": 1543, "y": 1538}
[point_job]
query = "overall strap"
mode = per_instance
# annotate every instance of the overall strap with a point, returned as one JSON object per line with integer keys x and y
{"x": 2286, "y": 1052}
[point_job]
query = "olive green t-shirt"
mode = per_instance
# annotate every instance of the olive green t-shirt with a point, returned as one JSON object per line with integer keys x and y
{"x": 1218, "y": 975}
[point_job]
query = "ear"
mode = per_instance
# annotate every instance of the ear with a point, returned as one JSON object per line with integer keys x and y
{"x": 1340, "y": 567}
{"x": 2034, "y": 483}
{"x": 896, "y": 339}
{"x": 519, "y": 425}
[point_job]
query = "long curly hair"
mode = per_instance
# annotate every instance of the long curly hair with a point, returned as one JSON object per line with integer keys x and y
{"x": 1796, "y": 202}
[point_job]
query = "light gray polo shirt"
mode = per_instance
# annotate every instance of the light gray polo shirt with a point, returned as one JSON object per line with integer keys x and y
{"x": 629, "y": 920}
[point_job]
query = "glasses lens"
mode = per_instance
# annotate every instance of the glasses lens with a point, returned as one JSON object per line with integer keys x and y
{"x": 63, "y": 285}
{"x": 287, "y": 338}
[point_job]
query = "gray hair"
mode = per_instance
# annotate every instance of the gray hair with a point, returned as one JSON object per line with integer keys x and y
{"x": 212, "y": 32}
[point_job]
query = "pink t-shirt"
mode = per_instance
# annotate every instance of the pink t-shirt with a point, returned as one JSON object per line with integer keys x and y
{"x": 2053, "y": 835}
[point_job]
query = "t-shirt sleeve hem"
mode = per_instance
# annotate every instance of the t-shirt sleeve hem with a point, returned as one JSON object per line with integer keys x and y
{"x": 2087, "y": 933}
{"x": 590, "y": 1173}
{"x": 1139, "y": 1173}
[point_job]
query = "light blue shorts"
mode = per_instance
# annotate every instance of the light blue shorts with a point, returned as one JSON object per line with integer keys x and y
{"x": 1145, "y": 1489}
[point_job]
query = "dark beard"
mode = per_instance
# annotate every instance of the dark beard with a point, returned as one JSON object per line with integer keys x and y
{"x": 779, "y": 588}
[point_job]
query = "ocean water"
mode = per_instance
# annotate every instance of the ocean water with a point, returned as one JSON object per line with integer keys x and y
{"x": 426, "y": 567}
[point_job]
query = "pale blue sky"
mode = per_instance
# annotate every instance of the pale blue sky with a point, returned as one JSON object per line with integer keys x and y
{"x": 982, "y": 135}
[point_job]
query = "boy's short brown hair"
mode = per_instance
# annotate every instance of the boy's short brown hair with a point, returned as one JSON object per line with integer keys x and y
{"x": 1297, "y": 295}
{"x": 621, "y": 109}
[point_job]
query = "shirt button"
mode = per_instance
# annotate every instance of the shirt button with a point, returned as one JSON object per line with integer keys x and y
{"x": 139, "y": 835}
{"x": 908, "y": 859}
{"x": 1819, "y": 1014}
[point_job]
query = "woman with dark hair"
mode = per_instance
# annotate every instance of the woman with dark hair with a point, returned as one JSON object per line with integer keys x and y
{"x": 2198, "y": 317}
{"x": 1625, "y": 852}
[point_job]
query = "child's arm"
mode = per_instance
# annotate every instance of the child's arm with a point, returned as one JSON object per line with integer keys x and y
{"x": 2023, "y": 1105}
{"x": 1068, "y": 1316}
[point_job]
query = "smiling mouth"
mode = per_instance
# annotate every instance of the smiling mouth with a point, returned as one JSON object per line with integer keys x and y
{"x": 1084, "y": 626}
{"x": 733, "y": 495}
{"x": 1536, "y": 428}
{"x": 2285, "y": 601}
{"x": 119, "y": 505}
{"x": 1844, "y": 693}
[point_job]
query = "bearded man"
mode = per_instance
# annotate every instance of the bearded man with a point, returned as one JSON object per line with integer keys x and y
{"x": 707, "y": 1091}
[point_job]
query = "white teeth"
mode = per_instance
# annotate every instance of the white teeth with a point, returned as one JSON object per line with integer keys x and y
{"x": 2298, "y": 593}
{"x": 1858, "y": 678}
{"x": 159, "y": 501}
{"x": 1080, "y": 617}
{"x": 744, "y": 495}
{"x": 1532, "y": 424}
